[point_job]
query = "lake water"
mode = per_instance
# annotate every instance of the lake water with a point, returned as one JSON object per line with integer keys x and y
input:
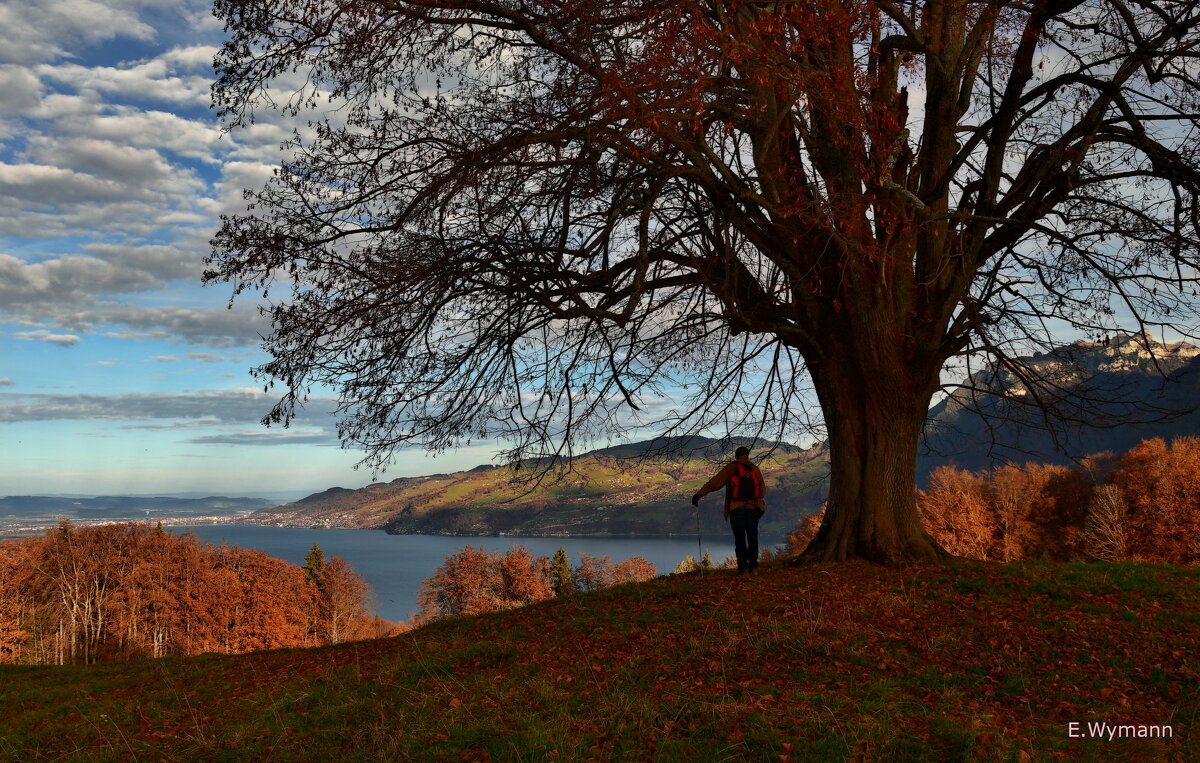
{"x": 396, "y": 565}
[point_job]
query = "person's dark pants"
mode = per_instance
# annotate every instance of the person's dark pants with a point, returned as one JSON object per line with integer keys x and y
{"x": 745, "y": 537}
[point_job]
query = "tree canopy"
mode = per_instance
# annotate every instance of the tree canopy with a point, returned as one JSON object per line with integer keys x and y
{"x": 541, "y": 220}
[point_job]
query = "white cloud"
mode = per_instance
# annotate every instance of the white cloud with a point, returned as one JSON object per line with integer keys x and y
{"x": 122, "y": 167}
{"x": 87, "y": 114}
{"x": 94, "y": 189}
{"x": 93, "y": 162}
{"x": 165, "y": 359}
{"x": 64, "y": 292}
{"x": 191, "y": 58}
{"x": 190, "y": 138}
{"x": 267, "y": 437}
{"x": 42, "y": 335}
{"x": 206, "y": 357}
{"x": 181, "y": 75}
{"x": 260, "y": 142}
{"x": 236, "y": 177}
{"x": 20, "y": 90}
{"x": 40, "y": 30}
{"x": 71, "y": 279}
{"x": 42, "y": 186}
{"x": 213, "y": 327}
{"x": 201, "y": 19}
{"x": 132, "y": 168}
{"x": 201, "y": 408}
{"x": 67, "y": 106}
{"x": 165, "y": 262}
{"x": 7, "y": 382}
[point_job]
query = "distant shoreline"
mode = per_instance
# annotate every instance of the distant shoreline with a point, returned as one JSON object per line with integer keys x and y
{"x": 766, "y": 536}
{"x": 239, "y": 520}
{"x": 17, "y": 527}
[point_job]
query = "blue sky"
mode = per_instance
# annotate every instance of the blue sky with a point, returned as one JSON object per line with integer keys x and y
{"x": 119, "y": 373}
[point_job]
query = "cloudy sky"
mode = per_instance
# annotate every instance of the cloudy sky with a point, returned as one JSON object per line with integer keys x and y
{"x": 119, "y": 373}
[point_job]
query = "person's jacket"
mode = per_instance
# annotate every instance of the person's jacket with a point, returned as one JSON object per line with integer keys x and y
{"x": 721, "y": 479}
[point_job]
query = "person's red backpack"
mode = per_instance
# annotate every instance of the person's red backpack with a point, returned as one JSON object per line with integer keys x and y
{"x": 745, "y": 484}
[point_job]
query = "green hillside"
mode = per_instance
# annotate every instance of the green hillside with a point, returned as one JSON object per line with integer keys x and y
{"x": 608, "y": 493}
{"x": 827, "y": 663}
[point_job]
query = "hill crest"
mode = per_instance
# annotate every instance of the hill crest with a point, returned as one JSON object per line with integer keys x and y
{"x": 635, "y": 489}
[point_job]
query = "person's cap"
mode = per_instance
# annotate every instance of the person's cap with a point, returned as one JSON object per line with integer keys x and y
{"x": 741, "y": 452}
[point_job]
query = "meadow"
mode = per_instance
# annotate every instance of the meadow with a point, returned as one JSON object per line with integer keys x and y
{"x": 973, "y": 661}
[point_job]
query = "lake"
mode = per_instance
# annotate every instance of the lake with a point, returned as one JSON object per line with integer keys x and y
{"x": 396, "y": 565}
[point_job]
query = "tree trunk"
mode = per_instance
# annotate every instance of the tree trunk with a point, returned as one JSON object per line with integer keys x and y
{"x": 874, "y": 404}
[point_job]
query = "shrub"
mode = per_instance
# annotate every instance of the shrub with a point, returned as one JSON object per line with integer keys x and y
{"x": 474, "y": 581}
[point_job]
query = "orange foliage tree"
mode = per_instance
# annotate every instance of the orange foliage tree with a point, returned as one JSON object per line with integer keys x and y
{"x": 466, "y": 583}
{"x": 592, "y": 573}
{"x": 15, "y": 604}
{"x": 957, "y": 510}
{"x": 1161, "y": 486}
{"x": 75, "y": 578}
{"x": 1040, "y": 509}
{"x": 1144, "y": 504}
{"x": 635, "y": 569}
{"x": 475, "y": 581}
{"x": 165, "y": 605}
{"x": 526, "y": 579}
{"x": 803, "y": 533}
{"x": 1106, "y": 529}
{"x": 98, "y": 593}
{"x": 265, "y": 601}
{"x": 342, "y": 599}
{"x": 1011, "y": 512}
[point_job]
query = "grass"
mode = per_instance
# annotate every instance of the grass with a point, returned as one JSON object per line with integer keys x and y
{"x": 847, "y": 662}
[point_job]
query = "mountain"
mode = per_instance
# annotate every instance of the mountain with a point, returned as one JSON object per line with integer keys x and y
{"x": 619, "y": 490}
{"x": 1121, "y": 391}
{"x": 1134, "y": 390}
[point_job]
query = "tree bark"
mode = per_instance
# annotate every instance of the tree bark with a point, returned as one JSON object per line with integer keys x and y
{"x": 875, "y": 403}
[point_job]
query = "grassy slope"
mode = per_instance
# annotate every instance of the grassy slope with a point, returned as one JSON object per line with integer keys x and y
{"x": 605, "y": 495}
{"x": 822, "y": 663}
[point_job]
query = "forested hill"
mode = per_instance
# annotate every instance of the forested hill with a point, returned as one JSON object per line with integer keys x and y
{"x": 611, "y": 492}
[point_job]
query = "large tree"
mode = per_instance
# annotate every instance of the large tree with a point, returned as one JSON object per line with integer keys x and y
{"x": 535, "y": 218}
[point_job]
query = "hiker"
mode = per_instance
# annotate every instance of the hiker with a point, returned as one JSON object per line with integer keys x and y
{"x": 744, "y": 506}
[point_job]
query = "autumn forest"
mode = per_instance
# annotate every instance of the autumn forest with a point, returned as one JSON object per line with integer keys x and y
{"x": 92, "y": 594}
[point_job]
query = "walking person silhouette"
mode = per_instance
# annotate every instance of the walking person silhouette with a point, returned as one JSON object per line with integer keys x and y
{"x": 744, "y": 505}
